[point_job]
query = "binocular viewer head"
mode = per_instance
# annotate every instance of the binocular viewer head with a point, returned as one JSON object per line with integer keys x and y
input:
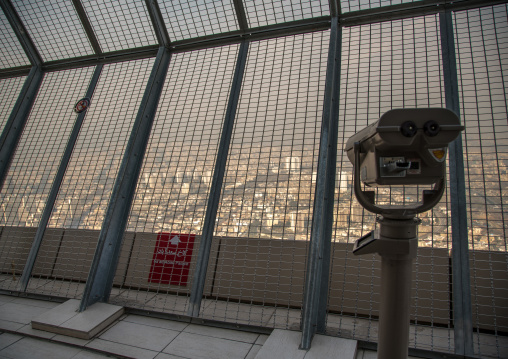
{"x": 404, "y": 147}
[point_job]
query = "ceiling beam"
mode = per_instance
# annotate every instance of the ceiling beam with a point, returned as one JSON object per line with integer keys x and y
{"x": 386, "y": 13}
{"x": 410, "y": 10}
{"x": 241, "y": 16}
{"x": 21, "y": 32}
{"x": 335, "y": 10}
{"x": 87, "y": 26}
{"x": 161, "y": 32}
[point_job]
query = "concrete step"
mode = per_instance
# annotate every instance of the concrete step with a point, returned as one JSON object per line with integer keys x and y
{"x": 283, "y": 344}
{"x": 66, "y": 320}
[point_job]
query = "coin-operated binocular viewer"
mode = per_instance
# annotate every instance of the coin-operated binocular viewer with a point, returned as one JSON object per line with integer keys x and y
{"x": 406, "y": 147}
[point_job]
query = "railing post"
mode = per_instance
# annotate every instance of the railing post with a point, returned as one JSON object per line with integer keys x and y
{"x": 318, "y": 264}
{"x": 16, "y": 122}
{"x": 55, "y": 187}
{"x": 102, "y": 270}
{"x": 462, "y": 313}
{"x": 198, "y": 282}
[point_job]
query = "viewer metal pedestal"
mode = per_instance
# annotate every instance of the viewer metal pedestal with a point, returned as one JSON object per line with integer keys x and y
{"x": 397, "y": 244}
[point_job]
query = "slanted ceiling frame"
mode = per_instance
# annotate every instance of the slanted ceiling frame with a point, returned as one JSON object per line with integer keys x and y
{"x": 354, "y": 18}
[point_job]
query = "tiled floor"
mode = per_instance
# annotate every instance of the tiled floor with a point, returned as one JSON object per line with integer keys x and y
{"x": 131, "y": 336}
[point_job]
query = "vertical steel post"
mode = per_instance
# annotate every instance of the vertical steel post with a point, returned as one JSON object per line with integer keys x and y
{"x": 198, "y": 282}
{"x": 318, "y": 264}
{"x": 462, "y": 313}
{"x": 55, "y": 187}
{"x": 102, "y": 271}
{"x": 16, "y": 122}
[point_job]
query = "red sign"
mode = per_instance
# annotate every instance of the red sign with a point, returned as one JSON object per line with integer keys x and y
{"x": 82, "y": 105}
{"x": 171, "y": 258}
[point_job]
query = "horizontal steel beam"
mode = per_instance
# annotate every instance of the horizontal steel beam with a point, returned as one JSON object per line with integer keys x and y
{"x": 253, "y": 34}
{"x": 15, "y": 71}
{"x": 104, "y": 58}
{"x": 410, "y": 10}
{"x": 354, "y": 18}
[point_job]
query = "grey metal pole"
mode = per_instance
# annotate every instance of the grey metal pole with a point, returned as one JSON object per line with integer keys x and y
{"x": 55, "y": 187}
{"x": 316, "y": 281}
{"x": 102, "y": 271}
{"x": 16, "y": 122}
{"x": 198, "y": 282}
{"x": 461, "y": 290}
{"x": 393, "y": 337}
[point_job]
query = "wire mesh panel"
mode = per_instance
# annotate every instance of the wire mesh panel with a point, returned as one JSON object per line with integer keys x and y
{"x": 384, "y": 66}
{"x": 265, "y": 209}
{"x": 482, "y": 56}
{"x": 186, "y": 19}
{"x": 34, "y": 166}
{"x": 63, "y": 34}
{"x": 10, "y": 89}
{"x": 78, "y": 213}
{"x": 11, "y": 52}
{"x": 171, "y": 196}
{"x": 269, "y": 12}
{"x": 120, "y": 24}
{"x": 355, "y": 5}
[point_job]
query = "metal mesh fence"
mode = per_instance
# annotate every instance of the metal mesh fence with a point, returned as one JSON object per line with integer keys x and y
{"x": 11, "y": 52}
{"x": 269, "y": 12}
{"x": 388, "y": 65}
{"x": 257, "y": 264}
{"x": 78, "y": 213}
{"x": 187, "y": 19}
{"x": 175, "y": 179}
{"x": 34, "y": 166}
{"x": 482, "y": 57}
{"x": 63, "y": 34}
{"x": 9, "y": 88}
{"x": 267, "y": 195}
{"x": 120, "y": 25}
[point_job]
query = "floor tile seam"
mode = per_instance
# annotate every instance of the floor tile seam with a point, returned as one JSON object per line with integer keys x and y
{"x": 27, "y": 305}
{"x": 112, "y": 325}
{"x": 248, "y": 351}
{"x": 154, "y": 326}
{"x": 87, "y": 345}
{"x": 17, "y": 340}
{"x": 233, "y": 340}
{"x": 10, "y": 321}
{"x": 229, "y": 339}
{"x": 172, "y": 340}
{"x": 64, "y": 343}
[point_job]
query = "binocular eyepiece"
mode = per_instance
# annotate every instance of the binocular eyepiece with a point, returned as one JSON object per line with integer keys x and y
{"x": 405, "y": 146}
{"x": 409, "y": 129}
